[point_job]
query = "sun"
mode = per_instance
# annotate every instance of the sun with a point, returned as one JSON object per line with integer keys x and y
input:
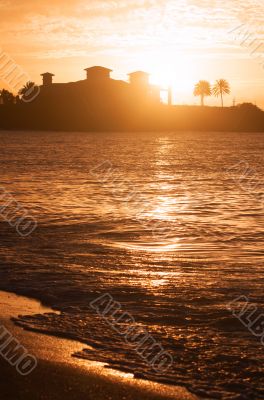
{"x": 180, "y": 76}
{"x": 178, "y": 72}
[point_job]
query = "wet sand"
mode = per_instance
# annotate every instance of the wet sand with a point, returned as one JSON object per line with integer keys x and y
{"x": 60, "y": 376}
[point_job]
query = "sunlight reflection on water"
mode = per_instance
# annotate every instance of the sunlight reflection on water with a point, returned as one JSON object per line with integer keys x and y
{"x": 95, "y": 238}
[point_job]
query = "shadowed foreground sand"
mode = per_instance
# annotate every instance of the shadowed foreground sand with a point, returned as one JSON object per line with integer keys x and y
{"x": 60, "y": 376}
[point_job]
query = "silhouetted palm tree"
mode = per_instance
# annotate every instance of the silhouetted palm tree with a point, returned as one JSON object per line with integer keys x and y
{"x": 7, "y": 97}
{"x": 203, "y": 89}
{"x": 27, "y": 89}
{"x": 221, "y": 88}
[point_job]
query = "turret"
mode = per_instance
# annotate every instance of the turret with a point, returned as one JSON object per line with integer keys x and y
{"x": 47, "y": 78}
{"x": 97, "y": 73}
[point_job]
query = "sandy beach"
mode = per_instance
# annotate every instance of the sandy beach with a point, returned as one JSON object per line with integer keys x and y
{"x": 60, "y": 376}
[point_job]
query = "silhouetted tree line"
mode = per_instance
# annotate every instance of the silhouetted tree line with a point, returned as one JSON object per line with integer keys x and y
{"x": 86, "y": 107}
{"x": 204, "y": 89}
{"x": 7, "y": 97}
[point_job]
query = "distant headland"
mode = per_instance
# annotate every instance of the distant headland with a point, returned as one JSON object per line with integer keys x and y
{"x": 100, "y": 103}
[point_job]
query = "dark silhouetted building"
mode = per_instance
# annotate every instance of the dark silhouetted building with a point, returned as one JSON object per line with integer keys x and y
{"x": 100, "y": 88}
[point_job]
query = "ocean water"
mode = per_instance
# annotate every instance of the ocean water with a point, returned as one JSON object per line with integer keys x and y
{"x": 170, "y": 225}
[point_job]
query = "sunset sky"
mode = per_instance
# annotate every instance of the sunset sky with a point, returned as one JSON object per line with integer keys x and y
{"x": 178, "y": 41}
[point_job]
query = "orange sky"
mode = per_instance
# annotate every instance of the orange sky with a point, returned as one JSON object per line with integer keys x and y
{"x": 177, "y": 41}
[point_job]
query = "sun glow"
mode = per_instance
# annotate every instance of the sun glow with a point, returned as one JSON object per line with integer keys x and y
{"x": 180, "y": 73}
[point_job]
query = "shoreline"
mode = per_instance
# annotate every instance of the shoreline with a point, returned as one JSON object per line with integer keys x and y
{"x": 91, "y": 117}
{"x": 59, "y": 375}
{"x": 135, "y": 131}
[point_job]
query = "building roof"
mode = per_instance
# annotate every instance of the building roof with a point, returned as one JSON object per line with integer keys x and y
{"x": 47, "y": 74}
{"x": 98, "y": 68}
{"x": 139, "y": 73}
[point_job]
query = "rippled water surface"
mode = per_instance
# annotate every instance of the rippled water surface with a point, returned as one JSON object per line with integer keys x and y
{"x": 170, "y": 224}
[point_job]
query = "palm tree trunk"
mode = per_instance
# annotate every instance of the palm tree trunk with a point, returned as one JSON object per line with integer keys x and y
{"x": 222, "y": 100}
{"x": 202, "y": 100}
